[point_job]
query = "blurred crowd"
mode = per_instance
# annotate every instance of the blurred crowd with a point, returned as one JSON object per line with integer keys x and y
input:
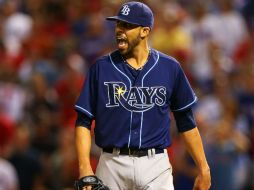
{"x": 46, "y": 47}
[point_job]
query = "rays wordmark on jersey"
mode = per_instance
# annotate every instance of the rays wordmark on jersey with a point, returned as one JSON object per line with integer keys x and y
{"x": 135, "y": 99}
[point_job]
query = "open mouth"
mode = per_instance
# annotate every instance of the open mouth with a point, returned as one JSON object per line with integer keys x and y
{"x": 121, "y": 42}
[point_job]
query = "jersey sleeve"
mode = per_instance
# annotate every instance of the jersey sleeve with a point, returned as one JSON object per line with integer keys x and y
{"x": 185, "y": 120}
{"x": 183, "y": 96}
{"x": 83, "y": 120}
{"x": 86, "y": 102}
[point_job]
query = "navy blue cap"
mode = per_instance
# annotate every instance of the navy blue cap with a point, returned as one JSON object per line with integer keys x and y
{"x": 135, "y": 13}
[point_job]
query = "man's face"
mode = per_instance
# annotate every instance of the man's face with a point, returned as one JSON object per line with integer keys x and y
{"x": 127, "y": 36}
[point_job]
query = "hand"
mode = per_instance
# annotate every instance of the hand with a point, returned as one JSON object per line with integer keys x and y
{"x": 203, "y": 180}
{"x": 87, "y": 188}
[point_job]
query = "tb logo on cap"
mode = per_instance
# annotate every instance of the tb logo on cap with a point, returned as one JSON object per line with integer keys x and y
{"x": 125, "y": 10}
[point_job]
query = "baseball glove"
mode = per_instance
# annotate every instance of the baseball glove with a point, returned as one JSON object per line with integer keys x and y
{"x": 90, "y": 180}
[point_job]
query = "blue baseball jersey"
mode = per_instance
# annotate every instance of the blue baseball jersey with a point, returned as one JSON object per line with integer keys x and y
{"x": 131, "y": 107}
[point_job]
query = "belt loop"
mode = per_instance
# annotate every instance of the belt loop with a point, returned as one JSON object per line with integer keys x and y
{"x": 149, "y": 151}
{"x": 153, "y": 152}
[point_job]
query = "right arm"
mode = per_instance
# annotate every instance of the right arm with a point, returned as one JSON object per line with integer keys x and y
{"x": 83, "y": 146}
{"x": 85, "y": 106}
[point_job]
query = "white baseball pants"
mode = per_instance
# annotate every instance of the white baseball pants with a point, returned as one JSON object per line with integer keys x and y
{"x": 123, "y": 172}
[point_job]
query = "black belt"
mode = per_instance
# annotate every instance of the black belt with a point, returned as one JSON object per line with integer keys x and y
{"x": 133, "y": 152}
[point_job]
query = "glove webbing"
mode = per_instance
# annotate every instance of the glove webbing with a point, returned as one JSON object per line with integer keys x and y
{"x": 90, "y": 180}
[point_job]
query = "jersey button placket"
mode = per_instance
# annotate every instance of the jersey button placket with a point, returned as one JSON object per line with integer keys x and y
{"x": 136, "y": 121}
{"x": 135, "y": 130}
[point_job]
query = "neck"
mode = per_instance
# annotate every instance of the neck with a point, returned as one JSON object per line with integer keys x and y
{"x": 138, "y": 57}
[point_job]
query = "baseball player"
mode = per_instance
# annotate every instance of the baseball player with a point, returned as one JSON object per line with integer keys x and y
{"x": 129, "y": 93}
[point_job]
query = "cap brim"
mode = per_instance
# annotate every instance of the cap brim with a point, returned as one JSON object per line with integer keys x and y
{"x": 112, "y": 18}
{"x": 116, "y": 18}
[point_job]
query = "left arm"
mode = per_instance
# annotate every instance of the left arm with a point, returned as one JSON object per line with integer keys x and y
{"x": 181, "y": 101}
{"x": 195, "y": 148}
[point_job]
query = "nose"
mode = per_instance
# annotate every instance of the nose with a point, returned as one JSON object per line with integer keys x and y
{"x": 119, "y": 29}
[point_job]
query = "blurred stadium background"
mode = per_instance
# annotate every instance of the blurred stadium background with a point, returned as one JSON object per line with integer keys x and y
{"x": 46, "y": 47}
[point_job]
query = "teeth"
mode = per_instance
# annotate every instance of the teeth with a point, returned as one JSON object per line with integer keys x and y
{"x": 120, "y": 38}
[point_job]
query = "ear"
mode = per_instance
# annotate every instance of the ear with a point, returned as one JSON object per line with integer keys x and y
{"x": 144, "y": 32}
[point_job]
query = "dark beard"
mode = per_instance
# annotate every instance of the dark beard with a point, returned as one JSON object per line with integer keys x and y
{"x": 131, "y": 45}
